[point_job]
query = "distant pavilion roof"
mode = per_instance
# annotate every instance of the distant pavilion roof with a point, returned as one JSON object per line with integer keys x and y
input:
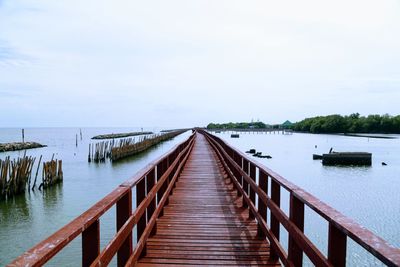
{"x": 287, "y": 123}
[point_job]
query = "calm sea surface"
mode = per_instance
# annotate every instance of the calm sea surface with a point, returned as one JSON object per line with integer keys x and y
{"x": 369, "y": 195}
{"x": 26, "y": 220}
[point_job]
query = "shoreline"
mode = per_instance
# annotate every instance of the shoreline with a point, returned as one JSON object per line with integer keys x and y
{"x": 365, "y": 135}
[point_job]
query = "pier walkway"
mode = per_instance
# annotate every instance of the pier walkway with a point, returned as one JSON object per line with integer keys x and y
{"x": 205, "y": 222}
{"x": 205, "y": 203}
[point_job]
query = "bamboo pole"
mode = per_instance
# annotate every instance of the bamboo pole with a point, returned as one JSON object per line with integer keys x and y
{"x": 37, "y": 171}
{"x": 52, "y": 173}
{"x": 127, "y": 147}
{"x": 15, "y": 175}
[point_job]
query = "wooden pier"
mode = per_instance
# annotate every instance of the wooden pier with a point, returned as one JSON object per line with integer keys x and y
{"x": 205, "y": 222}
{"x": 253, "y": 130}
{"x": 207, "y": 204}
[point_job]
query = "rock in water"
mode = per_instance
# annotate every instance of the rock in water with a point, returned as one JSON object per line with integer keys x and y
{"x": 19, "y": 146}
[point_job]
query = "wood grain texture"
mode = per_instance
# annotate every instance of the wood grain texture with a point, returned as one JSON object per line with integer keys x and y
{"x": 204, "y": 223}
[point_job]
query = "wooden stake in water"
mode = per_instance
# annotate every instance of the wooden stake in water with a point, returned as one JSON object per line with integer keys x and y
{"x": 89, "y": 158}
{"x": 23, "y": 136}
{"x": 52, "y": 173}
{"x": 76, "y": 140}
{"x": 14, "y": 175}
{"x": 37, "y": 171}
{"x": 80, "y": 131}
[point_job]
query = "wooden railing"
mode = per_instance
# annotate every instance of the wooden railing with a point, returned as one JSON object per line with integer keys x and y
{"x": 253, "y": 181}
{"x": 153, "y": 186}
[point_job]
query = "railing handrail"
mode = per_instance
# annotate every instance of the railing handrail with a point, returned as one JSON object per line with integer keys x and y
{"x": 151, "y": 224}
{"x": 48, "y": 248}
{"x": 137, "y": 177}
{"x": 365, "y": 238}
{"x": 109, "y": 251}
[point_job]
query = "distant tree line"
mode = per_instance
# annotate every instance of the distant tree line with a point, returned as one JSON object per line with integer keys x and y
{"x": 353, "y": 123}
{"x": 237, "y": 125}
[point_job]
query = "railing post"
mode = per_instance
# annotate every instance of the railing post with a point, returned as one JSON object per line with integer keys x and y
{"x": 238, "y": 160}
{"x": 276, "y": 198}
{"x": 166, "y": 164}
{"x": 296, "y": 216}
{"x": 170, "y": 159}
{"x": 177, "y": 155}
{"x": 140, "y": 196}
{"x": 231, "y": 152}
{"x": 245, "y": 168}
{"x": 251, "y": 191}
{"x": 171, "y": 176}
{"x": 90, "y": 243}
{"x": 152, "y": 206}
{"x": 231, "y": 168}
{"x": 160, "y": 192}
{"x": 337, "y": 245}
{"x": 262, "y": 208}
{"x": 124, "y": 211}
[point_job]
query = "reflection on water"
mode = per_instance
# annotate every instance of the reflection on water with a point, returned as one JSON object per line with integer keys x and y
{"x": 369, "y": 195}
{"x": 53, "y": 197}
{"x": 15, "y": 208}
{"x": 27, "y": 219}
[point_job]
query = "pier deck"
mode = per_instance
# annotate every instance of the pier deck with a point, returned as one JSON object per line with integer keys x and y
{"x": 205, "y": 222}
{"x": 206, "y": 203}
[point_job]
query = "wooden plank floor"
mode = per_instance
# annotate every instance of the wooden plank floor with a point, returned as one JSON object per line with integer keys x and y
{"x": 204, "y": 223}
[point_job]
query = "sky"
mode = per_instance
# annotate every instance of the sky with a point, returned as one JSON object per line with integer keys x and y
{"x": 188, "y": 63}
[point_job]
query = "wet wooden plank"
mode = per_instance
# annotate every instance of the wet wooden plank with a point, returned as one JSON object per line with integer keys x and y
{"x": 236, "y": 262}
{"x": 204, "y": 222}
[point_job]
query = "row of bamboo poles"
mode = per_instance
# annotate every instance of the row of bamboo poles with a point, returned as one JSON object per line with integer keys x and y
{"x": 118, "y": 149}
{"x": 16, "y": 174}
{"x": 127, "y": 150}
{"x": 52, "y": 173}
{"x": 99, "y": 152}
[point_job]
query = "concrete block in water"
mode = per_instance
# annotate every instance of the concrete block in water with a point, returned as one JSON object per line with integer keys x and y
{"x": 347, "y": 158}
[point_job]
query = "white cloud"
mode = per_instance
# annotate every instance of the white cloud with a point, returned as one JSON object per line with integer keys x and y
{"x": 171, "y": 63}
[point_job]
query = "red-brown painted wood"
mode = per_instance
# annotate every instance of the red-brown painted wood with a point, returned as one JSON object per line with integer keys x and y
{"x": 337, "y": 242}
{"x": 124, "y": 211}
{"x": 296, "y": 215}
{"x": 90, "y": 243}
{"x": 205, "y": 222}
{"x": 262, "y": 208}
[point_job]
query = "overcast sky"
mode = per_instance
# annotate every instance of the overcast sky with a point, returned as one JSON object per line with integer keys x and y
{"x": 187, "y": 63}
